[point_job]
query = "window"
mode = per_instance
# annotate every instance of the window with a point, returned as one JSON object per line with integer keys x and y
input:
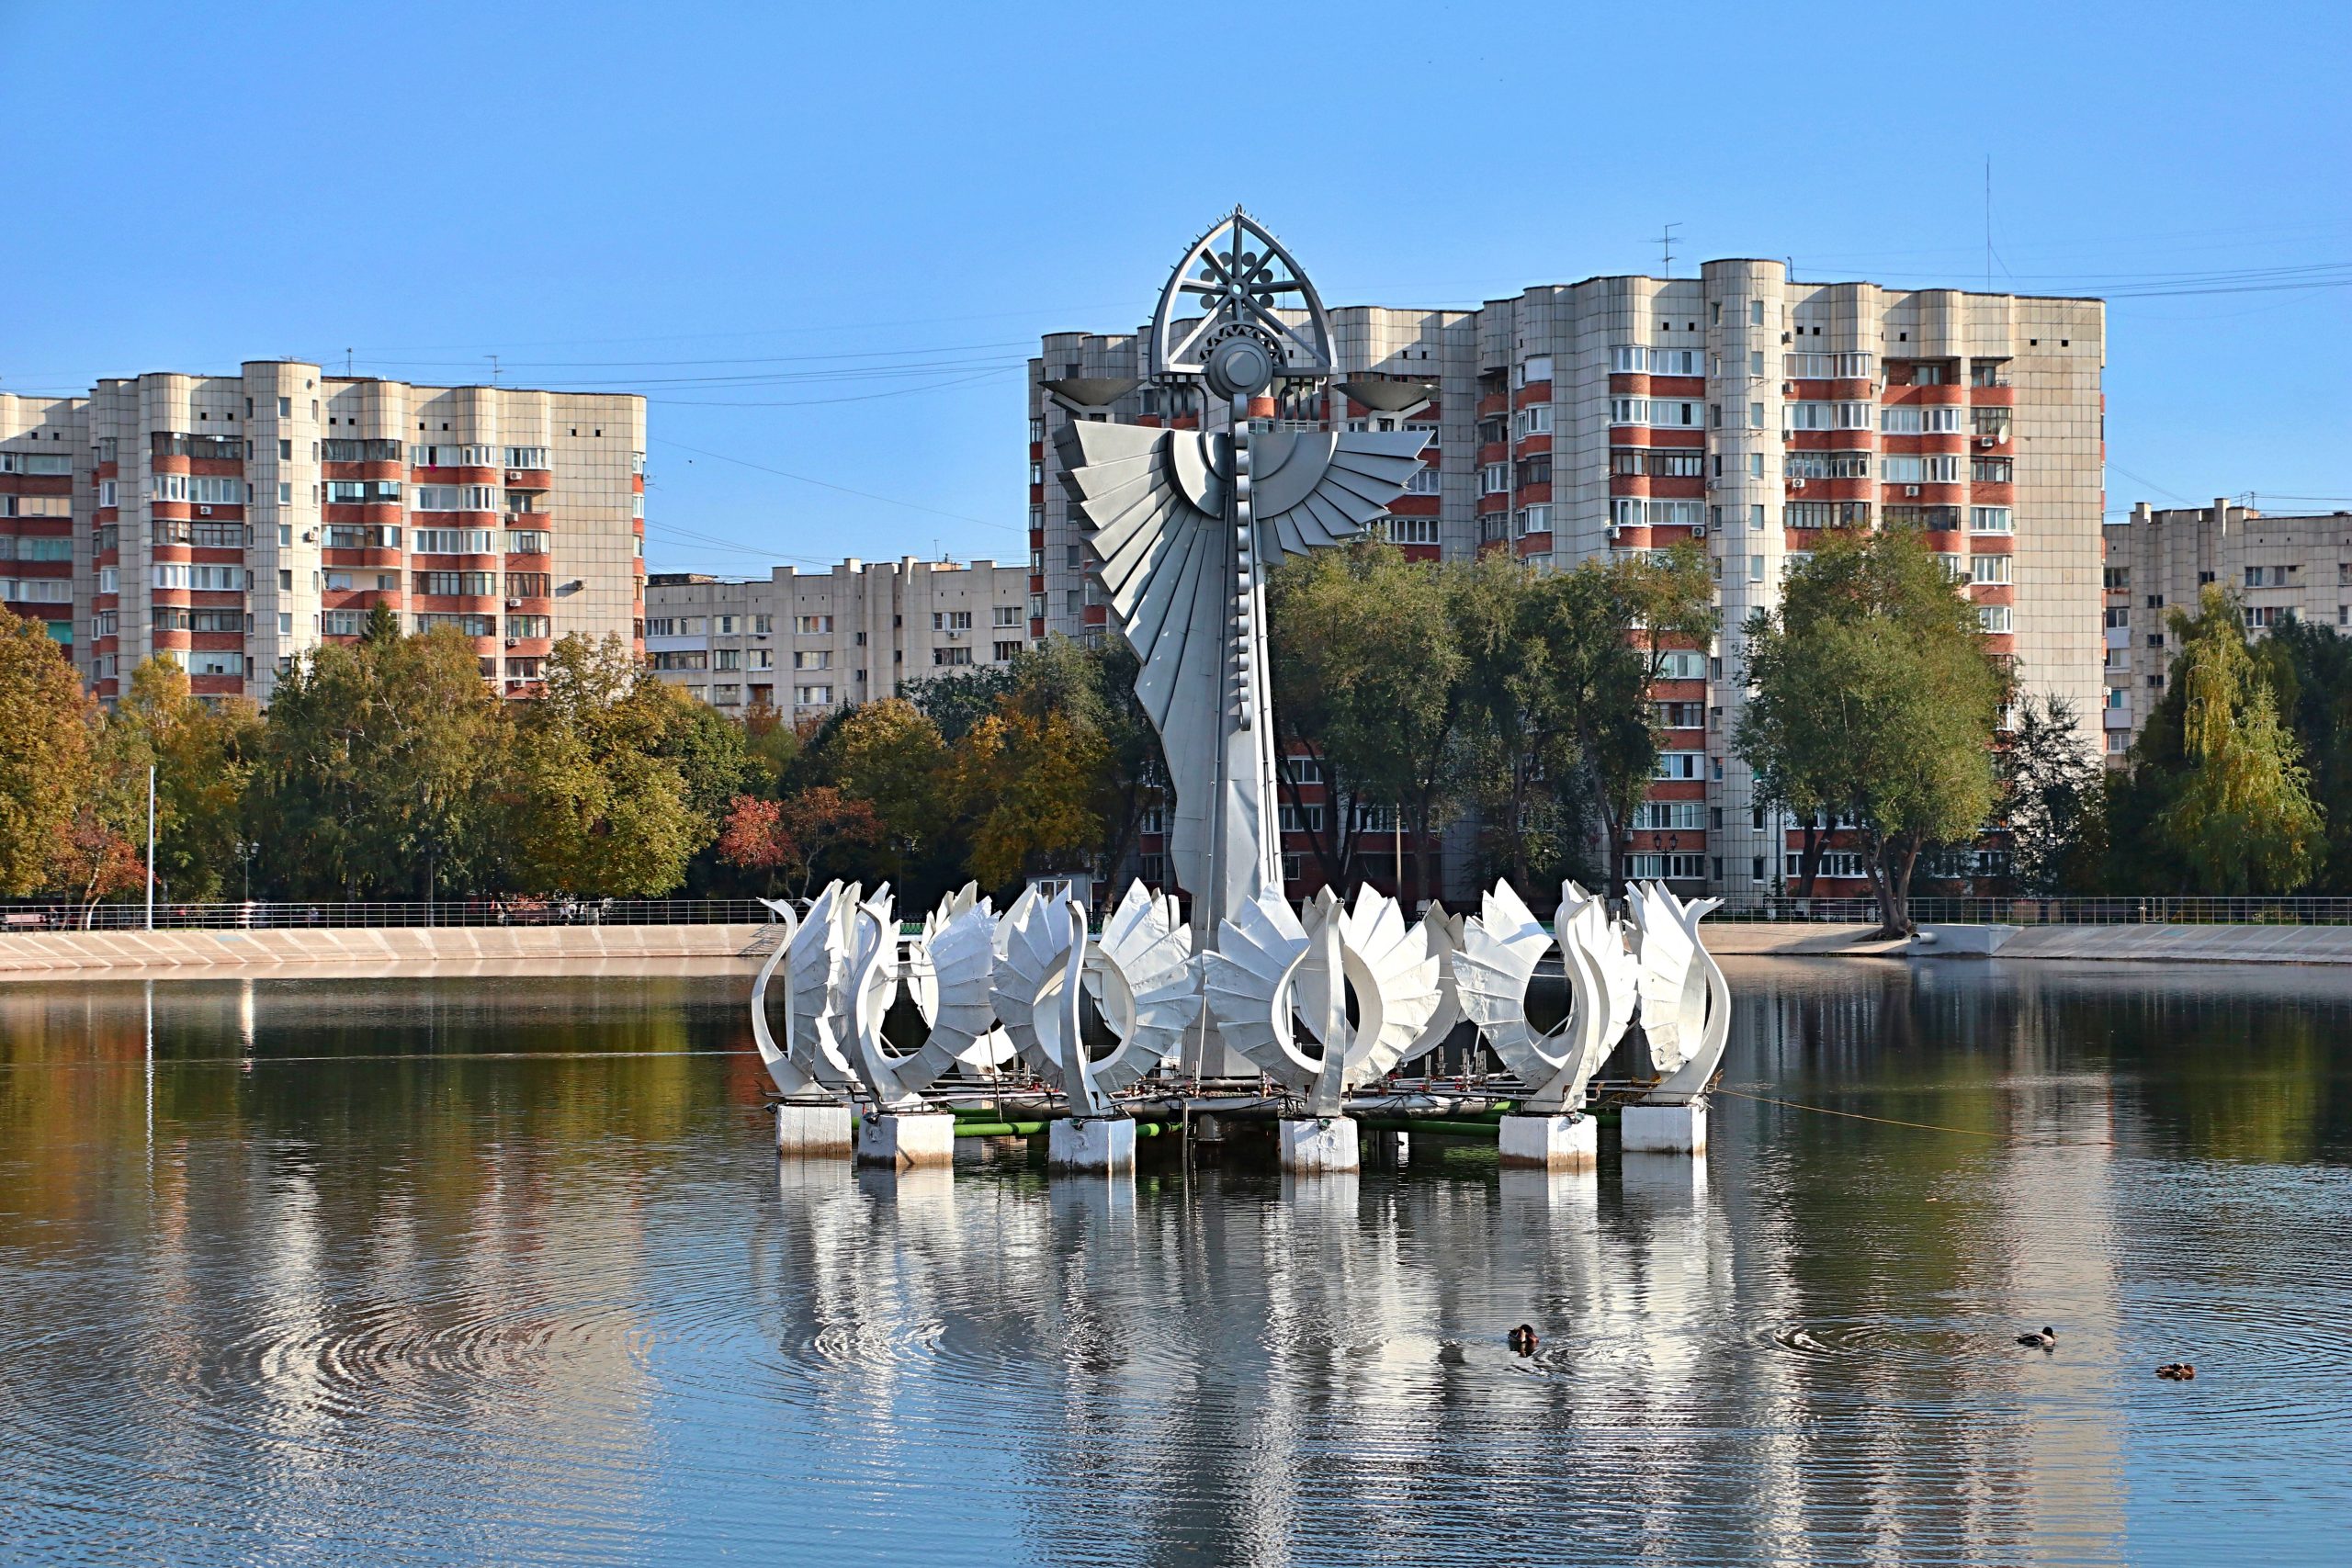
{"x": 344, "y": 623}
{"x": 1006, "y": 652}
{"x": 1306, "y": 818}
{"x": 1755, "y": 416}
{"x": 1534, "y": 420}
{"x": 1826, "y": 465}
{"x": 1679, "y": 766}
{"x": 465, "y": 626}
{"x": 451, "y": 541}
{"x": 528, "y": 585}
{"x": 533, "y": 458}
{"x": 1991, "y": 470}
{"x": 1990, "y": 520}
{"x": 535, "y": 626}
{"x": 1536, "y": 367}
{"x": 1495, "y": 480}
{"x": 813, "y": 658}
{"x": 526, "y": 542}
{"x": 2262, "y": 617}
{"x": 812, "y": 626}
{"x": 1006, "y": 615}
{"x": 1303, "y": 770}
{"x": 1667, "y": 816}
{"x": 480, "y": 584}
{"x": 950, "y": 620}
{"x": 2118, "y": 697}
{"x": 1409, "y": 530}
{"x": 812, "y": 696}
{"x": 687, "y": 659}
{"x": 201, "y": 576}
{"x": 1534, "y": 471}
{"x": 1674, "y": 868}
{"x": 1993, "y": 617}
{"x": 763, "y": 624}
{"x": 1989, "y": 569}
{"x": 1680, "y": 716}
{"x": 2268, "y": 576}
{"x": 1426, "y": 480}
{"x": 957, "y": 655}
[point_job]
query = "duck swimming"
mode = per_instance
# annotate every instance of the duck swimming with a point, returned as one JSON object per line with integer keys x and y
{"x": 1523, "y": 1338}
{"x": 2045, "y": 1340}
{"x": 2176, "y": 1371}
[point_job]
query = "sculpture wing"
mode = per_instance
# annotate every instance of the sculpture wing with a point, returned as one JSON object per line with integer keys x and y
{"x": 1501, "y": 945}
{"x": 1245, "y": 982}
{"x": 1404, "y": 972}
{"x": 1325, "y": 489}
{"x": 1151, "y": 952}
{"x": 1445, "y": 935}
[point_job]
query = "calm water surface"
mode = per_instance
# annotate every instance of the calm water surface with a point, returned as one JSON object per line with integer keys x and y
{"x": 505, "y": 1271}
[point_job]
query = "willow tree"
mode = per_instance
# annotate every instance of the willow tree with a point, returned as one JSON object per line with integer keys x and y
{"x": 1874, "y": 698}
{"x": 2243, "y": 820}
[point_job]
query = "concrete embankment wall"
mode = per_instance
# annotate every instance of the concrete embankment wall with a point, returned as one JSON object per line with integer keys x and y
{"x": 2122, "y": 943}
{"x": 383, "y": 951}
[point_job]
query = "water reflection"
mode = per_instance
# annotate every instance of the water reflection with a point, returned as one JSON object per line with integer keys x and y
{"x": 502, "y": 1271}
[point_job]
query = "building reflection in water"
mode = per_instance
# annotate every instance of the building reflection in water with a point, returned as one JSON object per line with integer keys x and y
{"x": 466, "y": 1274}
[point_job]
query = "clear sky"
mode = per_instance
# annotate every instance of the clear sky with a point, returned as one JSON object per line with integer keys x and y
{"x": 823, "y": 240}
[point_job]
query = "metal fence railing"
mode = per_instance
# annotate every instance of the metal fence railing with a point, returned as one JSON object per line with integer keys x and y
{"x": 321, "y": 915}
{"x": 2143, "y": 910}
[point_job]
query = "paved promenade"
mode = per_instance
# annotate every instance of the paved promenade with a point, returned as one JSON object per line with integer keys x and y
{"x": 383, "y": 950}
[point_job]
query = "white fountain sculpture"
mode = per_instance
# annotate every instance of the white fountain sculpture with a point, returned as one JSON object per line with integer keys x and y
{"x": 1502, "y": 947}
{"x": 1139, "y": 972}
{"x": 902, "y": 1130}
{"x": 1686, "y": 1019}
{"x": 808, "y": 1069}
{"x": 1443, "y": 932}
{"x": 1272, "y": 973}
{"x": 993, "y": 1048}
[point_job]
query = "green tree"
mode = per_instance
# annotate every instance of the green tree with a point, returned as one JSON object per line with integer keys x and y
{"x": 45, "y": 763}
{"x": 2053, "y": 786}
{"x": 889, "y": 755}
{"x": 203, "y": 754}
{"x": 1874, "y": 699}
{"x": 2310, "y": 668}
{"x": 1369, "y": 679}
{"x": 1028, "y": 784}
{"x": 378, "y": 767}
{"x": 2243, "y": 820}
{"x": 596, "y": 806}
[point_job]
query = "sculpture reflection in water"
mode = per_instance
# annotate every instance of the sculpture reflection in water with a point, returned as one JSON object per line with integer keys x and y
{"x": 1251, "y": 1008}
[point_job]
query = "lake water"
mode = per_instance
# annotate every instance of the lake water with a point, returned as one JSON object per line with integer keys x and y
{"x": 505, "y": 1271}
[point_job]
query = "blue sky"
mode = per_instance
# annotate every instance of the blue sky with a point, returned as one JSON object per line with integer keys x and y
{"x": 823, "y": 240}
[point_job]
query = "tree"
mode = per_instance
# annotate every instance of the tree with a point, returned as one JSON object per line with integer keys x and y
{"x": 1513, "y": 742}
{"x": 597, "y": 808}
{"x": 1368, "y": 679}
{"x": 45, "y": 763}
{"x": 1026, "y": 785}
{"x": 377, "y": 769}
{"x": 203, "y": 754}
{"x": 888, "y": 755}
{"x": 2310, "y": 668}
{"x": 2244, "y": 821}
{"x": 2053, "y": 786}
{"x": 792, "y": 838}
{"x": 1874, "y": 699}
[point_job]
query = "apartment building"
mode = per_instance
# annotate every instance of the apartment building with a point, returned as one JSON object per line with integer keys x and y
{"x": 804, "y": 642}
{"x": 45, "y": 484}
{"x": 237, "y": 522}
{"x": 1740, "y": 407}
{"x": 2160, "y": 560}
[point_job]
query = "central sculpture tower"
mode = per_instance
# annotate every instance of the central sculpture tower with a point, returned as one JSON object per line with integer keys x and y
{"x": 1187, "y": 521}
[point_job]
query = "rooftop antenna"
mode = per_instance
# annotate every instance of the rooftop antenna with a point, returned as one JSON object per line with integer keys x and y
{"x": 1665, "y": 244}
{"x": 493, "y": 368}
{"x": 1988, "y": 223}
{"x": 346, "y": 364}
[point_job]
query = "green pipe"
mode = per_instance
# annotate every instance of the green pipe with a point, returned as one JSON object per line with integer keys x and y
{"x": 1000, "y": 1129}
{"x": 1487, "y": 1130}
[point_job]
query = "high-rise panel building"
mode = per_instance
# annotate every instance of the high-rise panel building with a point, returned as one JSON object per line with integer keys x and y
{"x": 45, "y": 485}
{"x": 1739, "y": 408}
{"x": 806, "y": 642}
{"x": 236, "y": 521}
{"x": 2162, "y": 560}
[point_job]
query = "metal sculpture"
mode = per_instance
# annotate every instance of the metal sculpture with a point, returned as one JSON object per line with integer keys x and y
{"x": 960, "y": 938}
{"x": 1139, "y": 973}
{"x": 1443, "y": 932}
{"x": 1686, "y": 1003}
{"x": 1272, "y": 973}
{"x": 1501, "y": 947}
{"x": 811, "y": 1062}
{"x": 1186, "y": 524}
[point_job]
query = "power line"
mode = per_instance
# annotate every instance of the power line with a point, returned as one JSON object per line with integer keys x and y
{"x": 828, "y": 484}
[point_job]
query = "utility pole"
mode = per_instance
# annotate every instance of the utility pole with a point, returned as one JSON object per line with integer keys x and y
{"x": 151, "y": 846}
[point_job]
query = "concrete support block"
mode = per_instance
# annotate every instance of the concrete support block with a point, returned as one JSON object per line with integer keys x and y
{"x": 1550, "y": 1142}
{"x": 1666, "y": 1129}
{"x": 905, "y": 1140}
{"x": 819, "y": 1130}
{"x": 1315, "y": 1145}
{"x": 1104, "y": 1143}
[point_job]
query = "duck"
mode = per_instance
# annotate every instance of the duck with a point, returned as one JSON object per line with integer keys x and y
{"x": 2176, "y": 1371}
{"x": 1522, "y": 1340}
{"x": 2045, "y": 1340}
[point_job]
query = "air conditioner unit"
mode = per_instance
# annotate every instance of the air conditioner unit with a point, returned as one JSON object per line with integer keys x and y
{"x": 513, "y": 603}
{"x": 1796, "y": 484}
{"x": 1613, "y": 530}
{"x": 204, "y": 512}
{"x": 512, "y": 642}
{"x": 1910, "y": 489}
{"x": 1698, "y": 530}
{"x": 1988, "y": 441}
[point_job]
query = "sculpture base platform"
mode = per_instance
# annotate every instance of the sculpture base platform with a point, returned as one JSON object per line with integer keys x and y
{"x": 1666, "y": 1129}
{"x": 906, "y": 1140}
{"x": 1315, "y": 1144}
{"x": 813, "y": 1130}
{"x": 1105, "y": 1144}
{"x": 1550, "y": 1142}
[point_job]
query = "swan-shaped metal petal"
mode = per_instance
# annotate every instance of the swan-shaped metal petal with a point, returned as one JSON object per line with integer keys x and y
{"x": 947, "y": 976}
{"x": 816, "y": 970}
{"x": 1271, "y": 971}
{"x": 1502, "y": 947}
{"x": 1443, "y": 933}
{"x": 1139, "y": 973}
{"x": 1686, "y": 1004}
{"x": 777, "y": 1059}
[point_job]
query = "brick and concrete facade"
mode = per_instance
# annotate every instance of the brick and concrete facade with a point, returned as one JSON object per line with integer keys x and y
{"x": 45, "y": 488}
{"x": 2160, "y": 560}
{"x": 1741, "y": 408}
{"x": 804, "y": 642}
{"x": 237, "y": 522}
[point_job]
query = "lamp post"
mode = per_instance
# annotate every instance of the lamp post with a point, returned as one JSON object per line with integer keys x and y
{"x": 151, "y": 846}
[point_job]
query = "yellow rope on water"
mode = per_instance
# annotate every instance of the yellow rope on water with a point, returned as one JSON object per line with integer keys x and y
{"x": 1923, "y": 1126}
